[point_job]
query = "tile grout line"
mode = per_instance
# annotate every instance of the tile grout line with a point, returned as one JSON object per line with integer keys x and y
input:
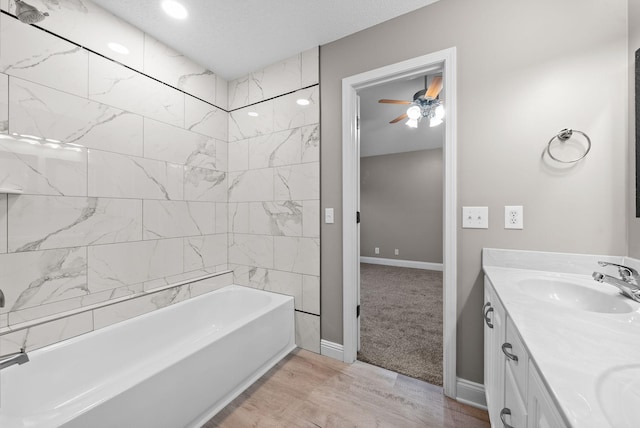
{"x": 6, "y": 195}
{"x": 113, "y": 60}
{"x": 110, "y": 302}
{"x": 158, "y": 80}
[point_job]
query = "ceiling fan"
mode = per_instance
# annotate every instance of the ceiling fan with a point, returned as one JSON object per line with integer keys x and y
{"x": 425, "y": 104}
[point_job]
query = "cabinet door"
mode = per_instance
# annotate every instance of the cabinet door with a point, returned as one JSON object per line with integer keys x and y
{"x": 514, "y": 413}
{"x": 494, "y": 335}
{"x": 488, "y": 330}
{"x": 517, "y": 357}
{"x": 541, "y": 408}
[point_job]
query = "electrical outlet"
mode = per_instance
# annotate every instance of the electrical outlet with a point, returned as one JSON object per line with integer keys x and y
{"x": 376, "y": 250}
{"x": 513, "y": 217}
{"x": 475, "y": 217}
{"x": 396, "y": 252}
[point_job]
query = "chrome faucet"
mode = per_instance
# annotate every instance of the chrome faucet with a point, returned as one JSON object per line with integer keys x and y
{"x": 12, "y": 359}
{"x": 628, "y": 283}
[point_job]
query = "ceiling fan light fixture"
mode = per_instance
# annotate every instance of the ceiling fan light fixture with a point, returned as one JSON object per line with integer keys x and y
{"x": 412, "y": 123}
{"x": 414, "y": 113}
{"x": 437, "y": 116}
{"x": 439, "y": 112}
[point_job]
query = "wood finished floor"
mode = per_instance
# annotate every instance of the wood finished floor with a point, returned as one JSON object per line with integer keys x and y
{"x": 309, "y": 390}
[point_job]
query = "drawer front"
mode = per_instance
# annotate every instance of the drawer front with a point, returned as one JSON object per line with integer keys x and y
{"x": 514, "y": 348}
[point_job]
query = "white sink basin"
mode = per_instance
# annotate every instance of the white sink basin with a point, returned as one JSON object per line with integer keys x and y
{"x": 619, "y": 395}
{"x": 576, "y": 296}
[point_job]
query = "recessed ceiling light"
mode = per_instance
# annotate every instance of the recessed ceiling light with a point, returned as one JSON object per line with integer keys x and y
{"x": 118, "y": 48}
{"x": 174, "y": 9}
{"x": 253, "y": 113}
{"x": 303, "y": 102}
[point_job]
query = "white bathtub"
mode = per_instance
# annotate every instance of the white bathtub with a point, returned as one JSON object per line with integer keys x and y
{"x": 174, "y": 367}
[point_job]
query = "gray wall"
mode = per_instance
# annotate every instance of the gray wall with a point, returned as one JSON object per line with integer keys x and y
{"x": 525, "y": 71}
{"x": 401, "y": 205}
{"x": 634, "y": 44}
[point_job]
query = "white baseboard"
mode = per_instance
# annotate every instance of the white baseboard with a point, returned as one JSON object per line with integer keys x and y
{"x": 401, "y": 263}
{"x": 471, "y": 393}
{"x": 331, "y": 349}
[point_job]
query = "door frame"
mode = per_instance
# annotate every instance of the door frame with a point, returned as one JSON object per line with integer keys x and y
{"x": 350, "y": 160}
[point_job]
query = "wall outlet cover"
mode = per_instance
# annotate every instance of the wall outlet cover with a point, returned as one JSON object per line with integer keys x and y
{"x": 475, "y": 217}
{"x": 513, "y": 217}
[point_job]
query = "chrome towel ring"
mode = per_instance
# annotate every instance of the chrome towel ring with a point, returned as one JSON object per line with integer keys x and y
{"x": 563, "y": 136}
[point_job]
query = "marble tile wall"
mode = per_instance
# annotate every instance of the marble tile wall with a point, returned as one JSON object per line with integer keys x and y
{"x": 123, "y": 168}
{"x": 274, "y": 186}
{"x": 75, "y": 324}
{"x": 82, "y": 20}
{"x": 291, "y": 74}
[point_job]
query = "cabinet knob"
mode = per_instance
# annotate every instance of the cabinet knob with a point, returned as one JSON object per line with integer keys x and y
{"x": 485, "y": 307}
{"x": 506, "y": 347}
{"x": 486, "y": 316}
{"x": 504, "y": 412}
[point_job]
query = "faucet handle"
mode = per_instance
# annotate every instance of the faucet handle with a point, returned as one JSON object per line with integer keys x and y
{"x": 625, "y": 272}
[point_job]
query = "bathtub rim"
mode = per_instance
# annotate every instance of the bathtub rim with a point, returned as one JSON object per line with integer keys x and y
{"x": 278, "y": 300}
{"x": 235, "y": 324}
{"x": 66, "y": 314}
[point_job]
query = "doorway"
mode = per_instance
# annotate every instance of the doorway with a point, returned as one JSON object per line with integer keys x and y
{"x": 401, "y": 205}
{"x": 445, "y": 60}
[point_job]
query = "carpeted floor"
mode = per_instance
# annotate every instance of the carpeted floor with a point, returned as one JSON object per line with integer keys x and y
{"x": 401, "y": 320}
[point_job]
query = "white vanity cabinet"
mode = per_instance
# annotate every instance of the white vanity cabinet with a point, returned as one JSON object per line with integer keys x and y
{"x": 541, "y": 409}
{"x": 516, "y": 395}
{"x": 494, "y": 334}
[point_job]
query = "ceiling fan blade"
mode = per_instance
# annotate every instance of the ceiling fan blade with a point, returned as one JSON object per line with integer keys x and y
{"x": 394, "y": 102}
{"x": 399, "y": 118}
{"x": 434, "y": 88}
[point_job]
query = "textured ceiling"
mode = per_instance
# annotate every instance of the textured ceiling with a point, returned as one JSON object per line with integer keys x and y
{"x": 235, "y": 37}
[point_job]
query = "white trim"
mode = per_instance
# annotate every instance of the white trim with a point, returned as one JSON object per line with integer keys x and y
{"x": 445, "y": 59}
{"x": 471, "y": 393}
{"x": 401, "y": 263}
{"x": 331, "y": 349}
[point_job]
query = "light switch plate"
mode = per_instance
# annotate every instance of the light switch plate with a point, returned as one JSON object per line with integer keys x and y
{"x": 328, "y": 215}
{"x": 475, "y": 217}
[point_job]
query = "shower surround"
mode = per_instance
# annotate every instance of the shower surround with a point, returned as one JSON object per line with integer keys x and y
{"x": 274, "y": 186}
{"x": 124, "y": 167}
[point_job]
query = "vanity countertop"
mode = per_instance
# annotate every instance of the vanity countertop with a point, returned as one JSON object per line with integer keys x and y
{"x": 590, "y": 361}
